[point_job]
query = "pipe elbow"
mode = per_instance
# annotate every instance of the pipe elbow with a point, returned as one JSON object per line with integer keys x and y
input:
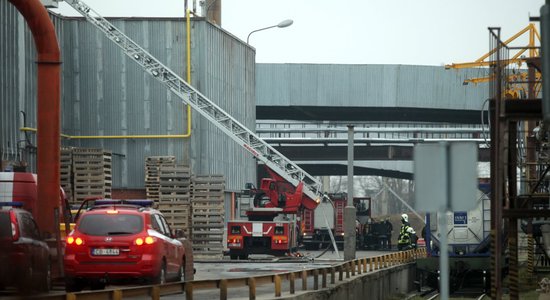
{"x": 42, "y": 28}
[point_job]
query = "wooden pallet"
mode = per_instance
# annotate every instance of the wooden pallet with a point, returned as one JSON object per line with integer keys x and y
{"x": 173, "y": 198}
{"x": 159, "y": 159}
{"x": 152, "y": 174}
{"x": 174, "y": 183}
{"x": 105, "y": 159}
{"x": 65, "y": 172}
{"x": 175, "y": 219}
{"x": 80, "y": 196}
{"x": 176, "y": 206}
{"x": 91, "y": 172}
{"x": 208, "y": 179}
{"x": 177, "y": 213}
{"x": 207, "y": 245}
{"x": 175, "y": 171}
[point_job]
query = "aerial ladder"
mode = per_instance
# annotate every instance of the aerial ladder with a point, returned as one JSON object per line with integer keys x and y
{"x": 261, "y": 150}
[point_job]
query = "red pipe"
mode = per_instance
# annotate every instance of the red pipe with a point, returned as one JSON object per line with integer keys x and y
{"x": 49, "y": 94}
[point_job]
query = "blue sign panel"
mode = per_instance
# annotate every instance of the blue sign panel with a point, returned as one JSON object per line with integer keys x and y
{"x": 461, "y": 218}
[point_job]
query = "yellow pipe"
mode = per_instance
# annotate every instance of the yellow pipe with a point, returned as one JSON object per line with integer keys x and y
{"x": 147, "y": 136}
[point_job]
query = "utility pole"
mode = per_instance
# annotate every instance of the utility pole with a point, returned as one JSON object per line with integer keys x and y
{"x": 349, "y": 210}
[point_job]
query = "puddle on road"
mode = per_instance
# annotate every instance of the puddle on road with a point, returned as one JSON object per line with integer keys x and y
{"x": 250, "y": 270}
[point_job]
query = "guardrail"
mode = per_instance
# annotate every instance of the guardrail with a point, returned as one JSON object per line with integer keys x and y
{"x": 326, "y": 275}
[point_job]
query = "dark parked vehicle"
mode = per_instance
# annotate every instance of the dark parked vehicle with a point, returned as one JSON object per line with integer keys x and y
{"x": 24, "y": 256}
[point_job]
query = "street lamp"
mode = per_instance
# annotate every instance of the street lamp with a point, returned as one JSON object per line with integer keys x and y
{"x": 282, "y": 24}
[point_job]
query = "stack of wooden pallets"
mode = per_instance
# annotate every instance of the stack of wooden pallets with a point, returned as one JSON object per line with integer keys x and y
{"x": 174, "y": 198}
{"x": 92, "y": 175}
{"x": 152, "y": 174}
{"x": 207, "y": 210}
{"x": 66, "y": 172}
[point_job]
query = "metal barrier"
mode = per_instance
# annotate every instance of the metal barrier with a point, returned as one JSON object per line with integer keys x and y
{"x": 348, "y": 269}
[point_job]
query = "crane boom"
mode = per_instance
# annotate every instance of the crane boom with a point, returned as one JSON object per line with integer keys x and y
{"x": 208, "y": 109}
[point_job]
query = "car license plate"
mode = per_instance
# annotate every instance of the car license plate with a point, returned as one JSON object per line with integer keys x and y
{"x": 105, "y": 251}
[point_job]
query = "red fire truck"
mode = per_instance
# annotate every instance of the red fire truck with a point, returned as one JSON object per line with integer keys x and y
{"x": 271, "y": 226}
{"x": 329, "y": 215}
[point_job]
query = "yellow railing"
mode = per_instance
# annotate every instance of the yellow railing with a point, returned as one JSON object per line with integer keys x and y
{"x": 321, "y": 277}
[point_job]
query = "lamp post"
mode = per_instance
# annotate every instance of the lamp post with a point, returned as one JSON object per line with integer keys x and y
{"x": 282, "y": 24}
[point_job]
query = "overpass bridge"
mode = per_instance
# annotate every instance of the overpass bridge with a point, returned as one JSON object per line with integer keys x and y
{"x": 303, "y": 110}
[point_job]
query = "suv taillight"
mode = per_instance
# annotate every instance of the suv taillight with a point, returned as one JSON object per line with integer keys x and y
{"x": 78, "y": 241}
{"x": 14, "y": 226}
{"x": 148, "y": 240}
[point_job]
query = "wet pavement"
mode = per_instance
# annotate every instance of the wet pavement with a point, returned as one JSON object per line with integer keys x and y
{"x": 256, "y": 265}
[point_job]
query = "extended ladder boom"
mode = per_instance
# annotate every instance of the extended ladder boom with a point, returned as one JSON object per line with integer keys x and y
{"x": 239, "y": 133}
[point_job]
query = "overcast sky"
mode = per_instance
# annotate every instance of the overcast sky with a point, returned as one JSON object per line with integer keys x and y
{"x": 413, "y": 32}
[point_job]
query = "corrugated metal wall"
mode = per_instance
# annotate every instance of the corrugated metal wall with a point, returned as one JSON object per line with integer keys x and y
{"x": 17, "y": 59}
{"x": 9, "y": 70}
{"x": 368, "y": 85}
{"x": 105, "y": 93}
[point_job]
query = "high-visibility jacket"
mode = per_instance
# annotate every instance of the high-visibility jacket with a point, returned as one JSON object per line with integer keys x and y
{"x": 404, "y": 235}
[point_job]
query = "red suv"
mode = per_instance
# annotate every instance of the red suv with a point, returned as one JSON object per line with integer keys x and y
{"x": 121, "y": 239}
{"x": 24, "y": 256}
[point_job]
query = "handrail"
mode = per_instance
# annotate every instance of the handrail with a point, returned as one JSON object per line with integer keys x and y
{"x": 340, "y": 272}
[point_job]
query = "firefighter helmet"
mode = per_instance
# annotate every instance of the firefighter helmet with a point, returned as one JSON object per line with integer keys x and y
{"x": 404, "y": 218}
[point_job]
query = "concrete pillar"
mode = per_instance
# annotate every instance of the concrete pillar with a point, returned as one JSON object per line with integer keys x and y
{"x": 349, "y": 210}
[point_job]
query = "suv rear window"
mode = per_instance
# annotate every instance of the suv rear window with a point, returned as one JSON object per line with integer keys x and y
{"x": 111, "y": 224}
{"x": 5, "y": 225}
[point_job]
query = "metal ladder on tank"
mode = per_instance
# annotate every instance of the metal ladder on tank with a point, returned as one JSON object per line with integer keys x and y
{"x": 208, "y": 109}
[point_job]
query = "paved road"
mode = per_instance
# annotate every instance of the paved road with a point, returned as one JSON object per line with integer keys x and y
{"x": 257, "y": 265}
{"x": 264, "y": 265}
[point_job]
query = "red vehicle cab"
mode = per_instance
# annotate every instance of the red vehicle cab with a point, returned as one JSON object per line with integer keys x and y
{"x": 117, "y": 240}
{"x": 24, "y": 256}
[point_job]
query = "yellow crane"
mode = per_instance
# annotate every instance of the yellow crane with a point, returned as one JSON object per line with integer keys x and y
{"x": 516, "y": 82}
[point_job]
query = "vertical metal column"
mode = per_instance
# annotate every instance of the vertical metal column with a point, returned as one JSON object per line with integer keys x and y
{"x": 545, "y": 58}
{"x": 531, "y": 173}
{"x": 349, "y": 210}
{"x": 496, "y": 172}
{"x": 512, "y": 221}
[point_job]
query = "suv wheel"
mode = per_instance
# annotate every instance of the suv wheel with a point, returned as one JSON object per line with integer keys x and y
{"x": 161, "y": 277}
{"x": 181, "y": 274}
{"x": 97, "y": 285}
{"x": 73, "y": 285}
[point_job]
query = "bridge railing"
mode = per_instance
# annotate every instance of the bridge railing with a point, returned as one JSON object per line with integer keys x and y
{"x": 318, "y": 277}
{"x": 372, "y": 131}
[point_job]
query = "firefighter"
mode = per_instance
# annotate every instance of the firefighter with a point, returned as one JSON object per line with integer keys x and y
{"x": 388, "y": 229}
{"x": 407, "y": 235}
